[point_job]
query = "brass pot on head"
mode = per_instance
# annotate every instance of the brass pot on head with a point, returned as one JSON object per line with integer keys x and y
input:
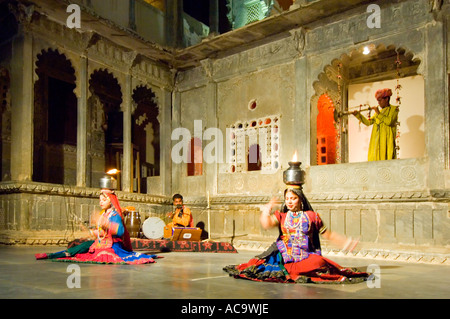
{"x": 108, "y": 182}
{"x": 294, "y": 175}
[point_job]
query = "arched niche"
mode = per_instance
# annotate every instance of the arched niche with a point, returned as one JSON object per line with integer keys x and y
{"x": 359, "y": 67}
{"x": 105, "y": 142}
{"x": 55, "y": 119}
{"x": 146, "y": 133}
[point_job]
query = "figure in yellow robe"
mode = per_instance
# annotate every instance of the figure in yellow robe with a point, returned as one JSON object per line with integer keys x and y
{"x": 382, "y": 144}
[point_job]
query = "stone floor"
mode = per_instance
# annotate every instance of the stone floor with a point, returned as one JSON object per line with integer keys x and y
{"x": 200, "y": 276}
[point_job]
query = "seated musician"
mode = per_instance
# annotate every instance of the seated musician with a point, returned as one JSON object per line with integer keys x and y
{"x": 181, "y": 216}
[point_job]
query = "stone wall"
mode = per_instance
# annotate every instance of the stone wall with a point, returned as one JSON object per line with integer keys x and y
{"x": 40, "y": 212}
{"x": 398, "y": 204}
{"x": 378, "y": 223}
{"x": 409, "y": 231}
{"x": 392, "y": 205}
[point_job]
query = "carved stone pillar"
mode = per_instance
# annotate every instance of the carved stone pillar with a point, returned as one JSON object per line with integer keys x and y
{"x": 174, "y": 23}
{"x": 82, "y": 123}
{"x": 127, "y": 147}
{"x": 22, "y": 101}
{"x": 214, "y": 17}
{"x": 164, "y": 116}
{"x": 176, "y": 122}
{"x": 132, "y": 15}
{"x": 212, "y": 169}
{"x": 436, "y": 102}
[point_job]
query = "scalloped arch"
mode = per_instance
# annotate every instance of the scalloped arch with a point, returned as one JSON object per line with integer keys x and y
{"x": 59, "y": 61}
{"x": 103, "y": 82}
{"x": 326, "y": 82}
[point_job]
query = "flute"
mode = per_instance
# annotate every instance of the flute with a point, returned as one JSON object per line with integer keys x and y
{"x": 350, "y": 111}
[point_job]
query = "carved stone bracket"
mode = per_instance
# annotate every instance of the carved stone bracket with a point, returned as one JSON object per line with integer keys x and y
{"x": 23, "y": 13}
{"x": 298, "y": 37}
{"x": 130, "y": 58}
{"x": 435, "y": 5}
{"x": 207, "y": 67}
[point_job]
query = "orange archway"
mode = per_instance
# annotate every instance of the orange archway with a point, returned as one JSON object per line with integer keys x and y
{"x": 326, "y": 131}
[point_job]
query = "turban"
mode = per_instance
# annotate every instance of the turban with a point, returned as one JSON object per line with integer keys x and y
{"x": 380, "y": 94}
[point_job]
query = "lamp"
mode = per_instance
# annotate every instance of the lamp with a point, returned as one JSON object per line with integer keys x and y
{"x": 367, "y": 49}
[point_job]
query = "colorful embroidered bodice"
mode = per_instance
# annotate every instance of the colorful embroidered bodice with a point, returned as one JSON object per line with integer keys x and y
{"x": 105, "y": 239}
{"x": 295, "y": 241}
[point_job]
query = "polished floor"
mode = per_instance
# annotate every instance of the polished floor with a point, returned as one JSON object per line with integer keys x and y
{"x": 200, "y": 276}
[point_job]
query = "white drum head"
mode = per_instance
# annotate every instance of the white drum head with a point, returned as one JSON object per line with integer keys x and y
{"x": 153, "y": 228}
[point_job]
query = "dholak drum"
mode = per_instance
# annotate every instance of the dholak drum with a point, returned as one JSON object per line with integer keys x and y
{"x": 153, "y": 228}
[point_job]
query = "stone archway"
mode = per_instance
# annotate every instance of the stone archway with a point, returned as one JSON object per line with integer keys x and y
{"x": 146, "y": 134}
{"x": 55, "y": 119}
{"x": 105, "y": 142}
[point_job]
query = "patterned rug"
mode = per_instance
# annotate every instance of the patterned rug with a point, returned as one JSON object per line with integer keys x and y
{"x": 180, "y": 246}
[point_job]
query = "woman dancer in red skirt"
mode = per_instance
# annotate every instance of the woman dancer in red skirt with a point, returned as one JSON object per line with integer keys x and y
{"x": 296, "y": 255}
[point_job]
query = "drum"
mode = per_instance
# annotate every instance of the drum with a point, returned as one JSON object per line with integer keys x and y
{"x": 153, "y": 228}
{"x": 133, "y": 223}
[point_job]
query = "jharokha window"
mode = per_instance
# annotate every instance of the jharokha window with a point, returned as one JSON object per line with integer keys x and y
{"x": 254, "y": 145}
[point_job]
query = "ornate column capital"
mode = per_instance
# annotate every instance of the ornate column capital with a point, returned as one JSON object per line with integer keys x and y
{"x": 23, "y": 13}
